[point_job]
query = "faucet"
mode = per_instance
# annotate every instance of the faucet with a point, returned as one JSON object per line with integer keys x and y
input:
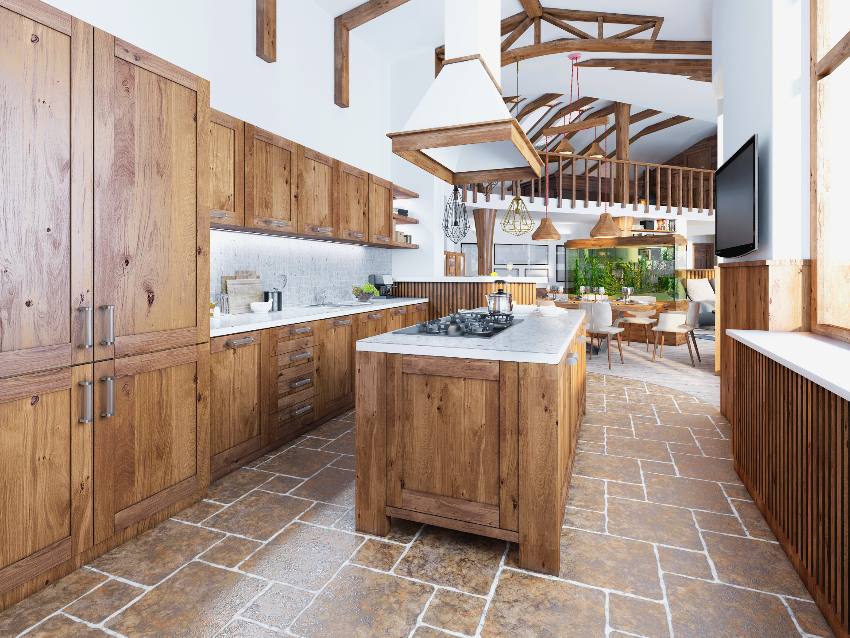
{"x": 319, "y": 298}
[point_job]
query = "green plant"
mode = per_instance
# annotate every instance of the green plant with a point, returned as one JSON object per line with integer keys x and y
{"x": 365, "y": 289}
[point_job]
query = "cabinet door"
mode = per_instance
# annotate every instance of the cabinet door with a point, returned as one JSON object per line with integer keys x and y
{"x": 380, "y": 210}
{"x": 151, "y": 222}
{"x": 235, "y": 415}
{"x": 316, "y": 194}
{"x": 227, "y": 169}
{"x": 353, "y": 202}
{"x": 370, "y": 324}
{"x": 399, "y": 318}
{"x": 270, "y": 162}
{"x": 45, "y": 471}
{"x": 45, "y": 188}
{"x": 335, "y": 365}
{"x": 153, "y": 451}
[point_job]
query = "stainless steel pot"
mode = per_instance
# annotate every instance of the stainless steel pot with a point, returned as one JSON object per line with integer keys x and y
{"x": 501, "y": 300}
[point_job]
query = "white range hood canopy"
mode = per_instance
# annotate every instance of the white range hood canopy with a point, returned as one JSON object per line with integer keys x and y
{"x": 462, "y": 131}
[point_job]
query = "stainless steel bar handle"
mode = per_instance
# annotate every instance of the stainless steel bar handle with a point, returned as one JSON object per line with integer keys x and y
{"x": 110, "y": 397}
{"x": 374, "y": 315}
{"x": 88, "y": 402}
{"x": 300, "y": 356}
{"x": 325, "y": 230}
{"x": 342, "y": 322}
{"x": 303, "y": 410}
{"x": 356, "y": 234}
{"x": 382, "y": 237}
{"x": 238, "y": 343}
{"x": 218, "y": 214}
{"x": 301, "y": 383}
{"x": 89, "y": 342}
{"x": 110, "y": 339}
{"x": 281, "y": 223}
{"x": 302, "y": 331}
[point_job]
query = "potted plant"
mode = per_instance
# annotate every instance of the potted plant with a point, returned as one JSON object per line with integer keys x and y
{"x": 364, "y": 292}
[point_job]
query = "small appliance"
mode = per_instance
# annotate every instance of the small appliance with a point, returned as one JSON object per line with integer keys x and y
{"x": 276, "y": 297}
{"x": 384, "y": 284}
{"x": 501, "y": 301}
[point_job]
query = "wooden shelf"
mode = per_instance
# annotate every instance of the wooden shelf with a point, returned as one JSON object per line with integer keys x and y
{"x": 399, "y": 192}
{"x": 401, "y": 244}
{"x": 404, "y": 219}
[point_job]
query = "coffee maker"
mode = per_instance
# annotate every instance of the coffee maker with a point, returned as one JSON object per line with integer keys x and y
{"x": 384, "y": 284}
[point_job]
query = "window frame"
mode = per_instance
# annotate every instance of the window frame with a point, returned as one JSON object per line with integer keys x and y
{"x": 819, "y": 69}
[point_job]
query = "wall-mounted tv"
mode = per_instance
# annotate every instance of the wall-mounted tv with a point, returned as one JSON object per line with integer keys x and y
{"x": 736, "y": 205}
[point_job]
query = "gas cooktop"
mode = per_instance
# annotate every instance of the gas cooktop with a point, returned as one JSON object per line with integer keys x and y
{"x": 464, "y": 324}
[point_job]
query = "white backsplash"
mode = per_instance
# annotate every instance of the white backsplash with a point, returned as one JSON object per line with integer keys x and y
{"x": 309, "y": 267}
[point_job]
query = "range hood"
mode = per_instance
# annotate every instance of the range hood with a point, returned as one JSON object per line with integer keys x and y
{"x": 462, "y": 131}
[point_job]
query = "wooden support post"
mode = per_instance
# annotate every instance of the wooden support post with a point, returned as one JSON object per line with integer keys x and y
{"x": 622, "y": 121}
{"x": 485, "y": 228}
{"x": 267, "y": 30}
{"x": 370, "y": 493}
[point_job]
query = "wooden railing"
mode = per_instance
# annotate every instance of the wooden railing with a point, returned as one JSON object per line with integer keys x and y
{"x": 582, "y": 180}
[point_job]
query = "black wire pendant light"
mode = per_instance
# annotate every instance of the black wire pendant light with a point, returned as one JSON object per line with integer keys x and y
{"x": 455, "y": 217}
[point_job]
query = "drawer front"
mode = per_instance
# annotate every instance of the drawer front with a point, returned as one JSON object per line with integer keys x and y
{"x": 292, "y": 345}
{"x": 295, "y": 379}
{"x": 297, "y": 397}
{"x": 296, "y": 331}
{"x": 296, "y": 357}
{"x": 291, "y": 420}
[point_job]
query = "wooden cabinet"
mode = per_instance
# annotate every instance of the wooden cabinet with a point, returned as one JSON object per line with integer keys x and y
{"x": 290, "y": 377}
{"x": 380, "y": 210}
{"x": 399, "y": 318}
{"x": 335, "y": 365}
{"x": 270, "y": 166}
{"x": 151, "y": 442}
{"x": 352, "y": 202}
{"x": 45, "y": 188}
{"x": 369, "y": 324}
{"x": 150, "y": 221}
{"x": 316, "y": 194}
{"x": 235, "y": 399}
{"x": 226, "y": 169}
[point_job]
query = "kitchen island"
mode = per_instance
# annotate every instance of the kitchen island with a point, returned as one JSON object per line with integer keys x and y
{"x": 472, "y": 434}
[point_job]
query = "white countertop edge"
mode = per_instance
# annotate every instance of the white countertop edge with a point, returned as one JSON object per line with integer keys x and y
{"x": 460, "y": 280}
{"x": 463, "y": 353}
{"x": 382, "y": 304}
{"x": 819, "y": 359}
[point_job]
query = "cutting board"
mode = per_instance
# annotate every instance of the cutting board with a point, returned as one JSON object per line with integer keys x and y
{"x": 242, "y": 291}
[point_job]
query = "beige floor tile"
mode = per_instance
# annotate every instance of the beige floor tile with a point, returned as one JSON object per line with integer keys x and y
{"x": 455, "y": 611}
{"x": 260, "y": 515}
{"x": 723, "y": 523}
{"x": 199, "y": 600}
{"x": 613, "y": 468}
{"x": 429, "y": 632}
{"x": 658, "y": 468}
{"x": 665, "y": 433}
{"x": 343, "y": 445}
{"x": 243, "y": 629}
{"x": 345, "y": 462}
{"x": 602, "y": 419}
{"x": 330, "y": 485}
{"x": 591, "y": 433}
{"x": 605, "y": 561}
{"x": 98, "y": 605}
{"x": 64, "y": 627}
{"x": 586, "y": 493}
{"x": 766, "y": 567}
{"x": 753, "y": 520}
{"x": 230, "y": 552}
{"x": 453, "y": 559}
{"x": 332, "y": 429}
{"x": 360, "y": 602}
{"x": 737, "y": 491}
{"x": 312, "y": 443}
{"x": 685, "y": 492}
{"x": 626, "y": 490}
{"x": 198, "y": 512}
{"x": 810, "y": 618}
{"x": 696, "y": 605}
{"x": 155, "y": 554}
{"x": 279, "y": 606}
{"x": 526, "y": 606}
{"x": 281, "y": 484}
{"x": 304, "y": 556}
{"x": 323, "y": 514}
{"x": 685, "y": 448}
{"x": 638, "y": 616}
{"x": 378, "y": 555}
{"x": 229, "y": 488}
{"x": 50, "y": 599}
{"x": 638, "y": 448}
{"x": 718, "y": 448}
{"x": 584, "y": 519}
{"x": 679, "y": 561}
{"x": 402, "y": 531}
{"x": 706, "y": 468}
{"x": 300, "y": 462}
{"x": 653, "y": 523}
{"x": 693, "y": 421}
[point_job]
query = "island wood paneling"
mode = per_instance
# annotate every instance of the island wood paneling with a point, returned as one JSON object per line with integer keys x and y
{"x": 446, "y": 297}
{"x": 790, "y": 445}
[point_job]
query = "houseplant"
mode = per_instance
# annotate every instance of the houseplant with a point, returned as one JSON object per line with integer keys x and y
{"x": 364, "y": 292}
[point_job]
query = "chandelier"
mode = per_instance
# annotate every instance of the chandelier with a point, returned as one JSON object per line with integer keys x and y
{"x": 455, "y": 217}
{"x": 517, "y": 220}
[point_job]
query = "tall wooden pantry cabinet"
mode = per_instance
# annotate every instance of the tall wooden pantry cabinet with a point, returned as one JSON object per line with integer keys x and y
{"x": 104, "y": 367}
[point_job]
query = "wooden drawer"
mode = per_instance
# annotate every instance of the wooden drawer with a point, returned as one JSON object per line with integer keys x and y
{"x": 297, "y": 397}
{"x": 292, "y": 420}
{"x": 296, "y": 331}
{"x": 296, "y": 378}
{"x": 296, "y": 356}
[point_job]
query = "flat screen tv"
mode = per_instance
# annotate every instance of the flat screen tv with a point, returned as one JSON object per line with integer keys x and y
{"x": 737, "y": 202}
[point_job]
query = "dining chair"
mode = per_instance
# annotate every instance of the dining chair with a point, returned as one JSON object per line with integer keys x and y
{"x": 678, "y": 323}
{"x": 645, "y": 318}
{"x": 601, "y": 324}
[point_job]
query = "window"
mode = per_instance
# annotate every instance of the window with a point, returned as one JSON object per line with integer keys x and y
{"x": 830, "y": 187}
{"x": 470, "y": 253}
{"x": 561, "y": 264}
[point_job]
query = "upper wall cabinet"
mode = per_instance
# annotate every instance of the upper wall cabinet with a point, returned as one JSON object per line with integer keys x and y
{"x": 316, "y": 194}
{"x": 353, "y": 202}
{"x": 227, "y": 169}
{"x": 151, "y": 222}
{"x": 380, "y": 210}
{"x": 270, "y": 162}
{"x": 45, "y": 189}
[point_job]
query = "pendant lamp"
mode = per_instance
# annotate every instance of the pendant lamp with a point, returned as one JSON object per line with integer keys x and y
{"x": 605, "y": 227}
{"x": 455, "y": 217}
{"x": 596, "y": 151}
{"x": 546, "y": 231}
{"x": 517, "y": 220}
{"x": 564, "y": 147}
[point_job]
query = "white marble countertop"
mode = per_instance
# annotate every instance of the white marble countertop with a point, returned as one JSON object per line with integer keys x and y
{"x": 537, "y": 339}
{"x": 819, "y": 359}
{"x": 234, "y": 324}
{"x": 486, "y": 279}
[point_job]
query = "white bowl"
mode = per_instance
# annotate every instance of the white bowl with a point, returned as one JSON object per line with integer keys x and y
{"x": 261, "y": 307}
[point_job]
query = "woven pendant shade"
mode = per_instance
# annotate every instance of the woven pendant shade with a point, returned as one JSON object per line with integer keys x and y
{"x": 605, "y": 227}
{"x": 565, "y": 148}
{"x": 546, "y": 231}
{"x": 596, "y": 151}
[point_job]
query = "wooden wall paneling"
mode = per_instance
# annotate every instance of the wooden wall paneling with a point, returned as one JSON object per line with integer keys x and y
{"x": 446, "y": 297}
{"x": 352, "y": 202}
{"x": 151, "y": 217}
{"x": 316, "y": 194}
{"x": 380, "y": 210}
{"x": 47, "y": 180}
{"x": 270, "y": 165}
{"x": 226, "y": 169}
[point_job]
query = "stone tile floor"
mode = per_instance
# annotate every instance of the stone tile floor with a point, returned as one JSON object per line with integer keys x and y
{"x": 659, "y": 539}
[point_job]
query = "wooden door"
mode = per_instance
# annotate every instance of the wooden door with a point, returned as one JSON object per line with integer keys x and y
{"x": 704, "y": 256}
{"x": 235, "y": 414}
{"x": 353, "y": 202}
{"x": 270, "y": 163}
{"x": 151, "y": 221}
{"x": 335, "y": 365}
{"x": 380, "y": 210}
{"x": 316, "y": 194}
{"x": 154, "y": 451}
{"x": 399, "y": 318}
{"x": 45, "y": 188}
{"x": 370, "y": 324}
{"x": 45, "y": 471}
{"x": 227, "y": 169}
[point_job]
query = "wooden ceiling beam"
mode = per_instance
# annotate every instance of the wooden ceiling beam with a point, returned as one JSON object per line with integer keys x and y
{"x": 532, "y": 8}
{"x": 565, "y": 26}
{"x": 633, "y": 31}
{"x": 693, "y": 68}
{"x": 574, "y": 127}
{"x": 516, "y": 34}
{"x": 568, "y": 45}
{"x": 343, "y": 24}
{"x": 575, "y": 15}
{"x": 267, "y": 30}
{"x": 659, "y": 126}
{"x": 579, "y": 104}
{"x": 536, "y": 103}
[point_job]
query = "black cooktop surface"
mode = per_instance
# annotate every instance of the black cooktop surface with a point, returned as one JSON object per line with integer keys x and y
{"x": 481, "y": 325}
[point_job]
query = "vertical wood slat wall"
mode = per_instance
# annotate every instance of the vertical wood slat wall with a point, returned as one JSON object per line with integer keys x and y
{"x": 790, "y": 445}
{"x": 446, "y": 297}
